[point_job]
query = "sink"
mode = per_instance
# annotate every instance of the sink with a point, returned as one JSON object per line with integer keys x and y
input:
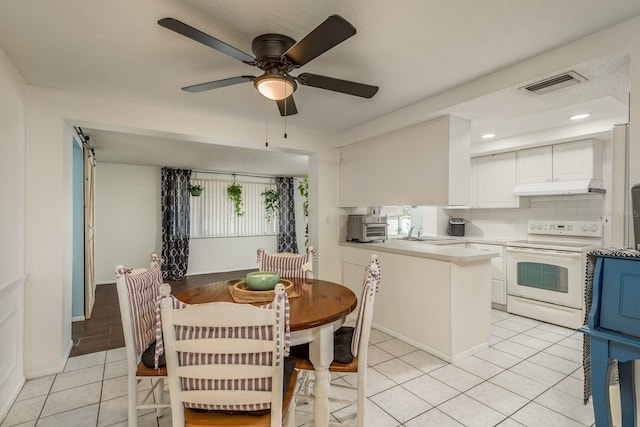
{"x": 427, "y": 238}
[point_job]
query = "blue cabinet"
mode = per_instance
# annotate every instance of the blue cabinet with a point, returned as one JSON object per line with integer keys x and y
{"x": 614, "y": 331}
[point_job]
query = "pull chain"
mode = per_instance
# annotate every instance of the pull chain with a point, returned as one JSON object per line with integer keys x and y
{"x": 266, "y": 125}
{"x": 285, "y": 108}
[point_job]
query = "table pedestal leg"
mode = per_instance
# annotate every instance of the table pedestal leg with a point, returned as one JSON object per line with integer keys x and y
{"x": 321, "y": 355}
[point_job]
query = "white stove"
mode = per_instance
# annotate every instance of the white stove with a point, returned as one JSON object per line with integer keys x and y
{"x": 576, "y": 236}
{"x": 545, "y": 273}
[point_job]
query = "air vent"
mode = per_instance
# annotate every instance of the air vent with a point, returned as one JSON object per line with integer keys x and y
{"x": 554, "y": 83}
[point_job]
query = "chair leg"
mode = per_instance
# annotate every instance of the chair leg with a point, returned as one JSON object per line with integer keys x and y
{"x": 158, "y": 393}
{"x": 290, "y": 416}
{"x": 360, "y": 392}
{"x": 133, "y": 400}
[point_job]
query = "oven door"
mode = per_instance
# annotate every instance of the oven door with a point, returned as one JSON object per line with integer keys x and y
{"x": 551, "y": 276}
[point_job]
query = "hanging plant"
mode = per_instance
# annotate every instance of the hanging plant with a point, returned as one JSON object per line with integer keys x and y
{"x": 303, "y": 189}
{"x": 271, "y": 203}
{"x": 234, "y": 192}
{"x": 195, "y": 190}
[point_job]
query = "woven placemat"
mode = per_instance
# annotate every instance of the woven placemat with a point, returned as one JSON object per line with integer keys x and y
{"x": 241, "y": 293}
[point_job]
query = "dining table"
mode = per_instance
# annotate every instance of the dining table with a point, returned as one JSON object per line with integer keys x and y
{"x": 317, "y": 309}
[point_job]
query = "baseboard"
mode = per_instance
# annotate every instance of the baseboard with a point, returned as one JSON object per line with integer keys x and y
{"x": 451, "y": 358}
{"x": 13, "y": 396}
{"x": 497, "y": 306}
{"x": 78, "y": 319}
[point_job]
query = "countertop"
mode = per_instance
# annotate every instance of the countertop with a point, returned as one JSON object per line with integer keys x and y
{"x": 437, "y": 249}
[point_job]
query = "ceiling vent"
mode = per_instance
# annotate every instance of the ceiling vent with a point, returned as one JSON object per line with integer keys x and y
{"x": 569, "y": 78}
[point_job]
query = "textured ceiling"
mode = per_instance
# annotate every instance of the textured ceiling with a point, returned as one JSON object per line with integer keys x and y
{"x": 412, "y": 49}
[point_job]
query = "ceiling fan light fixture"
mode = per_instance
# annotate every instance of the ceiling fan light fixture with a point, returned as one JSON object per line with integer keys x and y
{"x": 275, "y": 87}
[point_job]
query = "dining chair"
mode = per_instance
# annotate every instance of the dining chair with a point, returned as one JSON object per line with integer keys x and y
{"x": 138, "y": 291}
{"x": 288, "y": 265}
{"x": 226, "y": 363}
{"x": 358, "y": 347}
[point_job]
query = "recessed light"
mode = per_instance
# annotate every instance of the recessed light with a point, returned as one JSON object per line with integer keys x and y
{"x": 579, "y": 116}
{"x": 488, "y": 135}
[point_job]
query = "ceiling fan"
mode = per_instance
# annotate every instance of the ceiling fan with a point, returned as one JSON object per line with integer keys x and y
{"x": 277, "y": 55}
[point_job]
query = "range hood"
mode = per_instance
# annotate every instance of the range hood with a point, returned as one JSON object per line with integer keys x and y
{"x": 559, "y": 188}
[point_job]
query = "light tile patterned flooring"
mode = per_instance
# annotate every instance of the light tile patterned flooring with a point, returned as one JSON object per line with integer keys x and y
{"x": 530, "y": 376}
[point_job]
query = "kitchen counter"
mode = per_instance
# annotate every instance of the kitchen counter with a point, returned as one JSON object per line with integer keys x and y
{"x": 435, "y": 295}
{"x": 442, "y": 249}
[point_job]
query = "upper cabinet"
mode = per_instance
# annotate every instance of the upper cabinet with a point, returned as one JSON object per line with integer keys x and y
{"x": 561, "y": 169}
{"x": 577, "y": 160}
{"x": 535, "y": 165}
{"x": 424, "y": 164}
{"x": 569, "y": 161}
{"x": 495, "y": 177}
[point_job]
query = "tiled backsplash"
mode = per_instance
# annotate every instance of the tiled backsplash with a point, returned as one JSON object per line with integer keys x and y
{"x": 512, "y": 223}
{"x": 509, "y": 223}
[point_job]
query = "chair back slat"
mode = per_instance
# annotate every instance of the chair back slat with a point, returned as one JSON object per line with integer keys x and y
{"x": 229, "y": 398}
{"x": 230, "y": 372}
{"x": 224, "y": 345}
{"x": 229, "y": 315}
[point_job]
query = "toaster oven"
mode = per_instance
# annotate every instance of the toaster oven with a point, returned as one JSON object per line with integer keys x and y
{"x": 366, "y": 228}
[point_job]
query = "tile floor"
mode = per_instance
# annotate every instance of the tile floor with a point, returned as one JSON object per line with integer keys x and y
{"x": 530, "y": 376}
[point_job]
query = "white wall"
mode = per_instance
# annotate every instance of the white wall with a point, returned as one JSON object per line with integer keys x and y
{"x": 227, "y": 253}
{"x": 127, "y": 217}
{"x": 12, "y": 229}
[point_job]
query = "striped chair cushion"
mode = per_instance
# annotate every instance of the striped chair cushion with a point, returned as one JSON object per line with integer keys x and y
{"x": 143, "y": 289}
{"x": 369, "y": 287}
{"x": 260, "y": 333}
{"x": 287, "y": 265}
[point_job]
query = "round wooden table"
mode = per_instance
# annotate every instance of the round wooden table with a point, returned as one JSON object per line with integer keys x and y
{"x": 320, "y": 308}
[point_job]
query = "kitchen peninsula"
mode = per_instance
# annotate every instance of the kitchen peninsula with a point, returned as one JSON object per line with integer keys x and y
{"x": 436, "y": 297}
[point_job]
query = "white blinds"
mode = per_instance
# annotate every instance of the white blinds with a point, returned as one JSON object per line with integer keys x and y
{"x": 213, "y": 214}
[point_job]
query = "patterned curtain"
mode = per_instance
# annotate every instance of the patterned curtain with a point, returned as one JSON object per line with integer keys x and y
{"x": 174, "y": 197}
{"x": 286, "y": 216}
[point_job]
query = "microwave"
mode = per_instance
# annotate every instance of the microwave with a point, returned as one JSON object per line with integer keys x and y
{"x": 366, "y": 228}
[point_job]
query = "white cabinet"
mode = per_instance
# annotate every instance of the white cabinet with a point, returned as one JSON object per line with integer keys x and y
{"x": 498, "y": 280}
{"x": 535, "y": 165}
{"x": 569, "y": 161}
{"x": 577, "y": 160}
{"x": 424, "y": 164}
{"x": 442, "y": 307}
{"x": 495, "y": 177}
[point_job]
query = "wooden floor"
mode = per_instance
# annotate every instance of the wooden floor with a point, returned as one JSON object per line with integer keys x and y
{"x": 103, "y": 331}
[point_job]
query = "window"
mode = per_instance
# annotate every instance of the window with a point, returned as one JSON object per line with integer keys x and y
{"x": 213, "y": 214}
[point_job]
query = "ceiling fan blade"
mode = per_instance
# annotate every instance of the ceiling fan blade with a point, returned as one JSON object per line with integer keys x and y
{"x": 337, "y": 85}
{"x": 333, "y": 31}
{"x": 218, "y": 84}
{"x": 287, "y": 106}
{"x": 197, "y": 35}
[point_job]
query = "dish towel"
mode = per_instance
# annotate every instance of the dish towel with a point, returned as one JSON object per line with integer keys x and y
{"x": 588, "y": 298}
